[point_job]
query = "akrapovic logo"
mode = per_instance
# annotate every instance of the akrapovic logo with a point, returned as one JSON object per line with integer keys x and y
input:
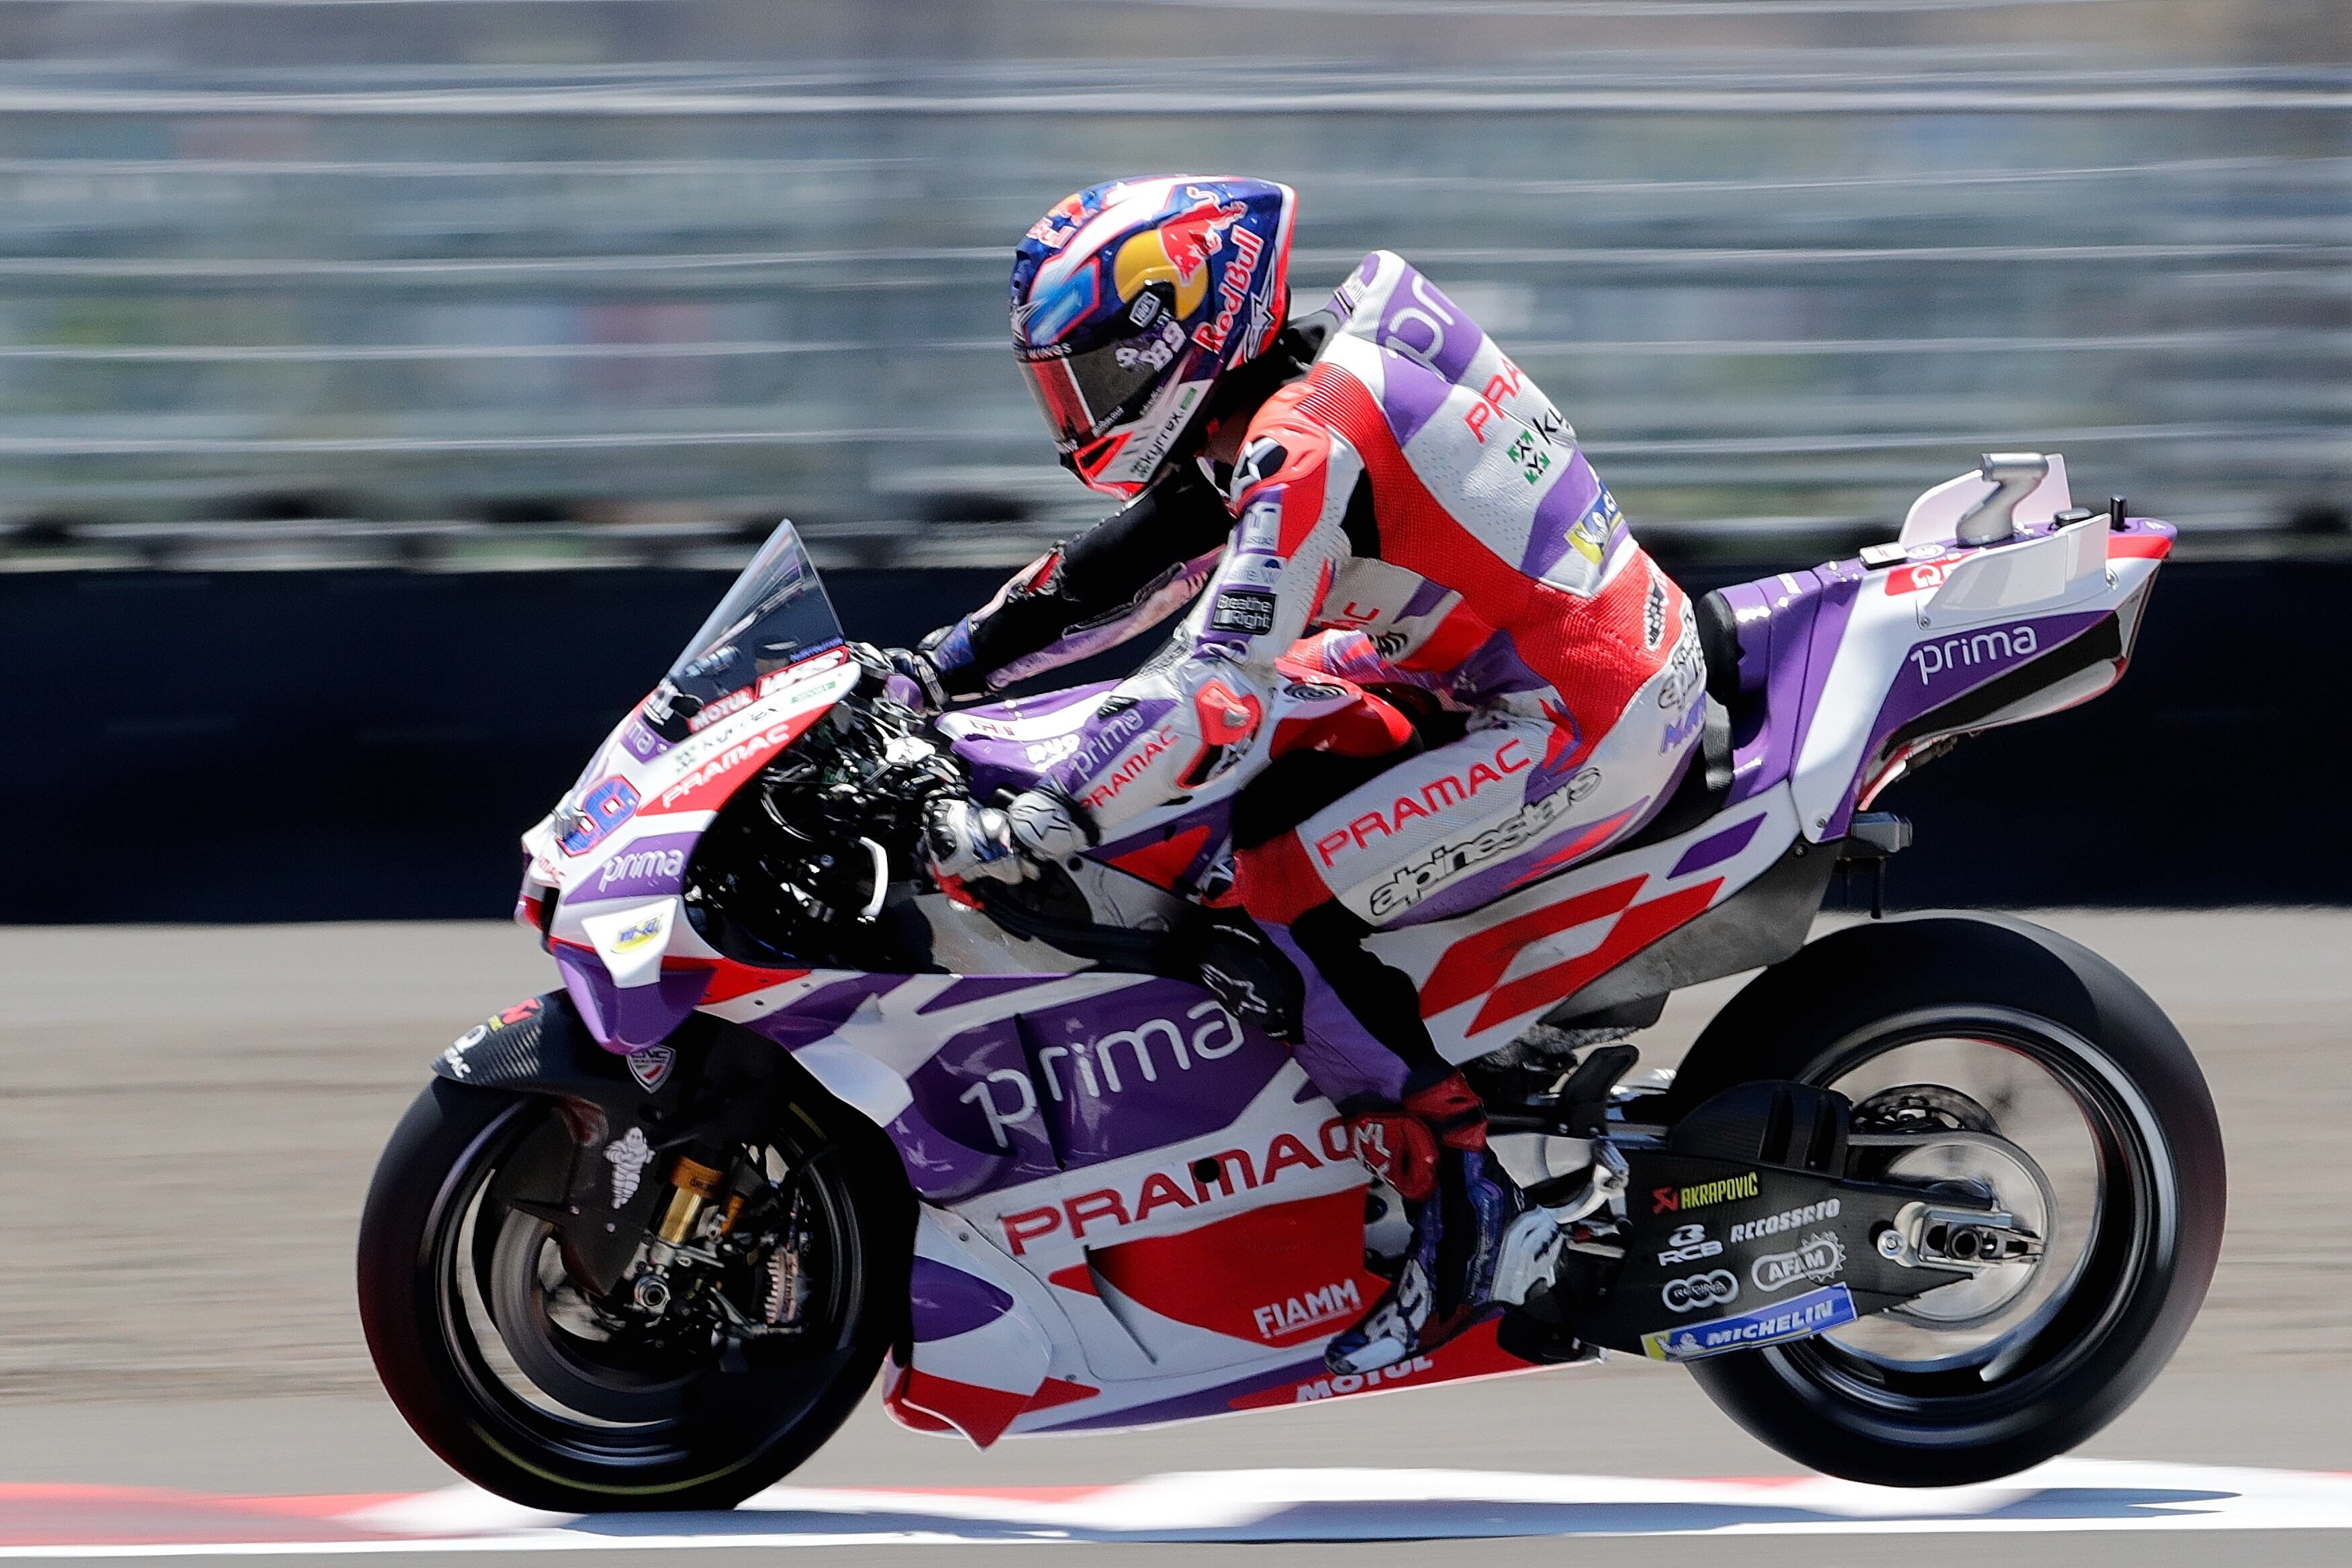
{"x": 1787, "y": 1219}
{"x": 1730, "y": 1190}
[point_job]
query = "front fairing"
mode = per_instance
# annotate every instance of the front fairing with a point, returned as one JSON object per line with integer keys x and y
{"x": 607, "y": 869}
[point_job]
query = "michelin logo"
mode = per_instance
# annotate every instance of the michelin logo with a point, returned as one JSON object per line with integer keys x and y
{"x": 1795, "y": 1318}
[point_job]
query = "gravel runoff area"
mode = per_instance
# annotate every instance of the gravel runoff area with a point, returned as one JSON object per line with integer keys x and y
{"x": 189, "y": 1116}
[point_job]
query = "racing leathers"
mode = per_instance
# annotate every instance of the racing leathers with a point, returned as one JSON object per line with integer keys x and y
{"x": 1419, "y": 504}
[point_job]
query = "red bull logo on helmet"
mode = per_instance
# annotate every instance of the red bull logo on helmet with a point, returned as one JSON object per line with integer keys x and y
{"x": 1176, "y": 251}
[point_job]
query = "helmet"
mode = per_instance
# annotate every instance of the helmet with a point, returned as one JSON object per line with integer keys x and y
{"x": 1130, "y": 299}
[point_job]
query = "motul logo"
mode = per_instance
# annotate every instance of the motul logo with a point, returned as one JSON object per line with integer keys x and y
{"x": 1356, "y": 1383}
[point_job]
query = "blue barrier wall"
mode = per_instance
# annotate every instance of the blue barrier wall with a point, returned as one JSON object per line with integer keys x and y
{"x": 323, "y": 744}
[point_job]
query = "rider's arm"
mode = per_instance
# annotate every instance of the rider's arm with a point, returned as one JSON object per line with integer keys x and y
{"x": 1198, "y": 710}
{"x": 1125, "y": 575}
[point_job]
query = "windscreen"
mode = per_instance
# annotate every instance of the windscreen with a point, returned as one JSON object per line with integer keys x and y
{"x": 776, "y": 615}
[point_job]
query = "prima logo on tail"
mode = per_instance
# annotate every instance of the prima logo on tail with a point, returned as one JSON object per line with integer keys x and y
{"x": 1973, "y": 649}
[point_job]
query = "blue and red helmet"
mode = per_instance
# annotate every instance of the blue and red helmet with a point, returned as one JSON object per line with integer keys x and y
{"x": 1130, "y": 299}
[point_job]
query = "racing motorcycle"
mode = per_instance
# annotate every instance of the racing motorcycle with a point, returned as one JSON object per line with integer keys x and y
{"x": 1931, "y": 1199}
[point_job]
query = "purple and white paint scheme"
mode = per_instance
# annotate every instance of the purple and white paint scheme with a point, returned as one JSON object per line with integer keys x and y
{"x": 1092, "y": 1148}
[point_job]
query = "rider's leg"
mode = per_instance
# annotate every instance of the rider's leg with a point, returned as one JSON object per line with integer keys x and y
{"x": 1361, "y": 1040}
{"x": 1414, "y": 1120}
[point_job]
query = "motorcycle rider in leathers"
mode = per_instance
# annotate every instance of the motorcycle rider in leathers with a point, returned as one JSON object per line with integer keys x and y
{"x": 1373, "y": 494}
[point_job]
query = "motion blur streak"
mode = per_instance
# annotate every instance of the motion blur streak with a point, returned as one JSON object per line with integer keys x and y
{"x": 603, "y": 261}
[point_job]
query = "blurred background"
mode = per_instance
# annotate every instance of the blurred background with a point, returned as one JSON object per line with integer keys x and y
{"x": 386, "y": 386}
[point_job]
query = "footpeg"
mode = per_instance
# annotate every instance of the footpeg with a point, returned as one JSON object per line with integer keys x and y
{"x": 1532, "y": 1247}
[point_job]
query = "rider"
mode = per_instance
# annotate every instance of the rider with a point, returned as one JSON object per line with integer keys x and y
{"x": 1400, "y": 489}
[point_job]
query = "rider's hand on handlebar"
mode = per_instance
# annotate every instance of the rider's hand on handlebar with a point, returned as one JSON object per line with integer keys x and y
{"x": 963, "y": 838}
{"x": 914, "y": 680}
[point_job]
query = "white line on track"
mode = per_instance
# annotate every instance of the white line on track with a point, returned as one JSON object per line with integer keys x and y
{"x": 1262, "y": 1506}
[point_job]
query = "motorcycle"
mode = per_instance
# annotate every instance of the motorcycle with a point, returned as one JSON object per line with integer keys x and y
{"x": 1931, "y": 1199}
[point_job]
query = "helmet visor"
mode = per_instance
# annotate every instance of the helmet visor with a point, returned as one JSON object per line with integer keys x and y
{"x": 1083, "y": 393}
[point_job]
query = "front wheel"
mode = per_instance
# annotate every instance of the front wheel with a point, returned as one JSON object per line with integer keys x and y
{"x": 704, "y": 1373}
{"x": 2063, "y": 1093}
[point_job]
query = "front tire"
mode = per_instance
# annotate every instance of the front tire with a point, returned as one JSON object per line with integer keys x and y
{"x": 1910, "y": 1402}
{"x": 455, "y": 1288}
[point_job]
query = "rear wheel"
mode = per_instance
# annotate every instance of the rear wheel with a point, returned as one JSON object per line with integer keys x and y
{"x": 2019, "y": 1066}
{"x": 692, "y": 1385}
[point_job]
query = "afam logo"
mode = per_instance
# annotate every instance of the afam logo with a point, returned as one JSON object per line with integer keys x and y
{"x": 1821, "y": 1257}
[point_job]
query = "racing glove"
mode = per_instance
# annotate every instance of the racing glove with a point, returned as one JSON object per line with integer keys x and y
{"x": 914, "y": 680}
{"x": 963, "y": 838}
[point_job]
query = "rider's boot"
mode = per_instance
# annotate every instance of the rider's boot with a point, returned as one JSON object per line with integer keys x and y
{"x": 1432, "y": 1150}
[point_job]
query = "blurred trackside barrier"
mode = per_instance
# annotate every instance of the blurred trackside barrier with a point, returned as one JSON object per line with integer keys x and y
{"x": 345, "y": 745}
{"x": 635, "y": 260}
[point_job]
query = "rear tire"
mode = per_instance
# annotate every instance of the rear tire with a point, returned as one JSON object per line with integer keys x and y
{"x": 2151, "y": 1248}
{"x": 709, "y": 1437}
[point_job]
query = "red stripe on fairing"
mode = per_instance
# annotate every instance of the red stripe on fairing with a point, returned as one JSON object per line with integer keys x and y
{"x": 1241, "y": 1276}
{"x": 730, "y": 980}
{"x": 1635, "y": 929}
{"x": 980, "y": 1413}
{"x": 1164, "y": 864}
{"x": 1076, "y": 1277}
{"x": 2152, "y": 546}
{"x": 1472, "y": 965}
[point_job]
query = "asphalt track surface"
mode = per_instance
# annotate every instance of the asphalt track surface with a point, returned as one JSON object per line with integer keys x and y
{"x": 188, "y": 1118}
